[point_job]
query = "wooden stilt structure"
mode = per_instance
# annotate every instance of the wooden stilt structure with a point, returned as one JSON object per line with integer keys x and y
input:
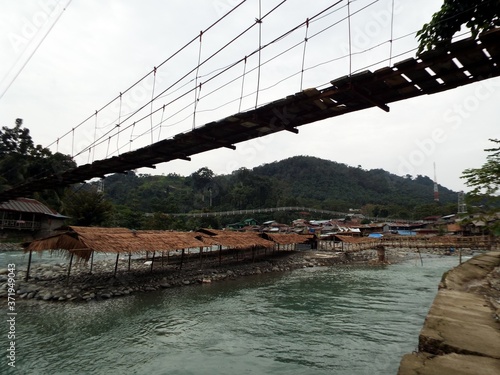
{"x": 129, "y": 259}
{"x": 91, "y": 261}
{"x": 201, "y": 256}
{"x": 220, "y": 255}
{"x": 116, "y": 264}
{"x": 29, "y": 266}
{"x": 69, "y": 267}
{"x": 182, "y": 259}
{"x": 152, "y": 261}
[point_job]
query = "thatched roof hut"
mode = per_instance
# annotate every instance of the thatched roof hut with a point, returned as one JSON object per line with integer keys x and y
{"x": 236, "y": 240}
{"x": 81, "y": 241}
{"x": 287, "y": 238}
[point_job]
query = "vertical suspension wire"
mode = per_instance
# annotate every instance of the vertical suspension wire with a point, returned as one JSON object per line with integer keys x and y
{"x": 152, "y": 98}
{"x": 72, "y": 142}
{"x": 392, "y": 34}
{"x": 107, "y": 150}
{"x": 95, "y": 136}
{"x": 131, "y": 136}
{"x": 242, "y": 83}
{"x": 349, "y": 30}
{"x": 118, "y": 126}
{"x": 161, "y": 121}
{"x": 57, "y": 145}
{"x": 304, "y": 55}
{"x": 196, "y": 91}
{"x": 259, "y": 21}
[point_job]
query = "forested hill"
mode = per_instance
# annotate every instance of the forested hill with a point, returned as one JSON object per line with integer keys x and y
{"x": 317, "y": 179}
{"x": 298, "y": 181}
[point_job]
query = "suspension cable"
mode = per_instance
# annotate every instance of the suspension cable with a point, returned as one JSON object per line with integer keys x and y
{"x": 259, "y": 21}
{"x": 304, "y": 55}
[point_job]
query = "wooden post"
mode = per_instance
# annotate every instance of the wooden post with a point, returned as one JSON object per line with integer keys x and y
{"x": 91, "y": 261}
{"x": 162, "y": 255}
{"x": 253, "y": 254}
{"x": 201, "y": 256}
{"x": 460, "y": 256}
{"x": 381, "y": 253}
{"x": 116, "y": 264}
{"x": 220, "y": 255}
{"x": 29, "y": 266}
{"x": 152, "y": 261}
{"x": 129, "y": 258}
{"x": 182, "y": 259}
{"x": 69, "y": 268}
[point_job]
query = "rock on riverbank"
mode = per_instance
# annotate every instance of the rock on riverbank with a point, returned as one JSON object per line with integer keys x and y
{"x": 49, "y": 282}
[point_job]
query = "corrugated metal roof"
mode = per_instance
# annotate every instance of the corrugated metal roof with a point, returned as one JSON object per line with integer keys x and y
{"x": 27, "y": 205}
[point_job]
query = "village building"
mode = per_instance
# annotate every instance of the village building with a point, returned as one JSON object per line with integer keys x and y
{"x": 25, "y": 219}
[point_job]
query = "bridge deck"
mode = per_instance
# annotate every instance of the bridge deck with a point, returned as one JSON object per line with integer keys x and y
{"x": 432, "y": 72}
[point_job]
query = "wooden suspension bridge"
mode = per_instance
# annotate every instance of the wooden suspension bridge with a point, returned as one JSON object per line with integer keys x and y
{"x": 460, "y": 63}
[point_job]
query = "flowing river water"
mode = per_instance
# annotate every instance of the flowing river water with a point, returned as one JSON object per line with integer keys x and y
{"x": 344, "y": 319}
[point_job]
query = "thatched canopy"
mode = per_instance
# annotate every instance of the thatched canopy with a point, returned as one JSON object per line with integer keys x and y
{"x": 356, "y": 240}
{"x": 237, "y": 240}
{"x": 286, "y": 238}
{"x": 81, "y": 241}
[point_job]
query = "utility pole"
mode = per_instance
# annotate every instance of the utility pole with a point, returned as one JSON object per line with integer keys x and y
{"x": 436, "y": 191}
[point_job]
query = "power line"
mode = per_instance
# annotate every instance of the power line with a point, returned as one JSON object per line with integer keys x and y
{"x": 32, "y": 52}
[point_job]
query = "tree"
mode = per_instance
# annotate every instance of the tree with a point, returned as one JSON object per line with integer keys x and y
{"x": 87, "y": 208}
{"x": 202, "y": 180}
{"x": 477, "y": 15}
{"x": 21, "y": 160}
{"x": 487, "y": 178}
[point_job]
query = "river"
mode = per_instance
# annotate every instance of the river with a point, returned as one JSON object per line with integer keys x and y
{"x": 349, "y": 320}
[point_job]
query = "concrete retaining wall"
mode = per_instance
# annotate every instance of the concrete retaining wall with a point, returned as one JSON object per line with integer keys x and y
{"x": 461, "y": 333}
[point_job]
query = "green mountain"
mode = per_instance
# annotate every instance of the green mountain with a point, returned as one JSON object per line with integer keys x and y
{"x": 301, "y": 181}
{"x": 322, "y": 180}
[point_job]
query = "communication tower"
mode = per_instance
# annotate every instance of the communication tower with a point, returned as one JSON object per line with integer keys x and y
{"x": 436, "y": 191}
{"x": 462, "y": 207}
{"x": 100, "y": 186}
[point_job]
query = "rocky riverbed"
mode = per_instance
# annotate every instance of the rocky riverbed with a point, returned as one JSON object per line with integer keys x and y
{"x": 49, "y": 282}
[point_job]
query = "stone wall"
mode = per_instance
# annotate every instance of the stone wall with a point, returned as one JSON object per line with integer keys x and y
{"x": 461, "y": 333}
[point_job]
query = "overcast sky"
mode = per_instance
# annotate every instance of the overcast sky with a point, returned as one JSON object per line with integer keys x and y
{"x": 63, "y": 60}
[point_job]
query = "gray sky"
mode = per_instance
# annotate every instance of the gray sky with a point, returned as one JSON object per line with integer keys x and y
{"x": 59, "y": 66}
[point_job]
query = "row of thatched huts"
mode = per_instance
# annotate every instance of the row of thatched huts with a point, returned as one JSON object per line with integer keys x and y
{"x": 83, "y": 242}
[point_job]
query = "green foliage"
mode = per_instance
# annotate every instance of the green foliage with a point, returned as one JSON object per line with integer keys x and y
{"x": 298, "y": 181}
{"x": 477, "y": 15}
{"x": 87, "y": 207}
{"x": 21, "y": 160}
{"x": 487, "y": 178}
{"x": 485, "y": 181}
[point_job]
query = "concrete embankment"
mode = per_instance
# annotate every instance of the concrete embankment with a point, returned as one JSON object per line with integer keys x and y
{"x": 461, "y": 333}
